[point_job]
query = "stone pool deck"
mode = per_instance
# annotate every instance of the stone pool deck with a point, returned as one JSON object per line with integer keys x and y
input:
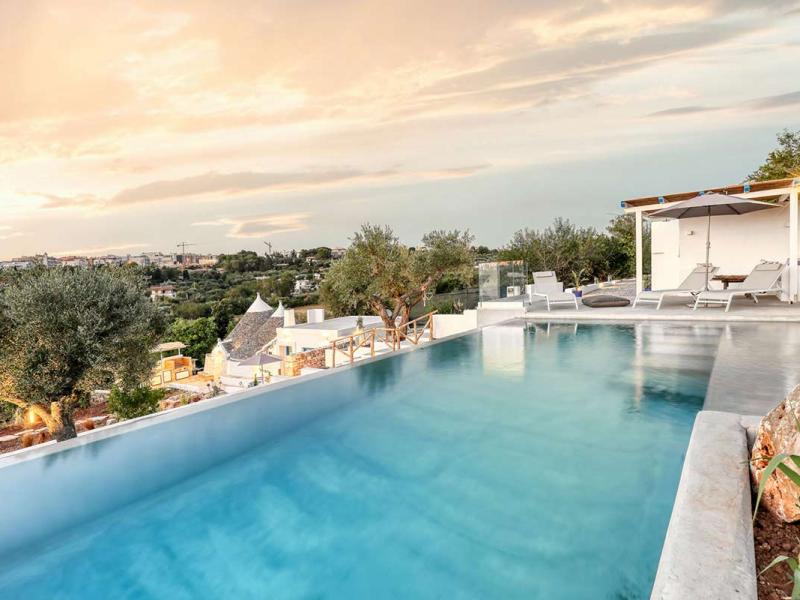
{"x": 755, "y": 368}
{"x": 768, "y": 310}
{"x": 708, "y": 551}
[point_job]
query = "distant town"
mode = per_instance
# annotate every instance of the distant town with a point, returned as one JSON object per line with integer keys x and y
{"x": 144, "y": 259}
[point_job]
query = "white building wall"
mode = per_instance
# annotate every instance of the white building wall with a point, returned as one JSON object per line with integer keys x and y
{"x": 445, "y": 325}
{"x": 665, "y": 254}
{"x": 738, "y": 243}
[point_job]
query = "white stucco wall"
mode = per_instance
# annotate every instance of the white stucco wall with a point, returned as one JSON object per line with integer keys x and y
{"x": 738, "y": 243}
{"x": 445, "y": 325}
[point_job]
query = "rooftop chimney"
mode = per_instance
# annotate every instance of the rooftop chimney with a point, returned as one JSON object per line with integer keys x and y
{"x": 315, "y": 315}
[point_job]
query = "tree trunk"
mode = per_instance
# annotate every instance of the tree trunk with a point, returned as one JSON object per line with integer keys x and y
{"x": 63, "y": 425}
{"x": 380, "y": 309}
{"x": 44, "y": 415}
{"x": 58, "y": 419}
{"x": 405, "y": 317}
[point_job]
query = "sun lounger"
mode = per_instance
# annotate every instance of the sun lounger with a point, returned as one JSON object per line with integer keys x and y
{"x": 694, "y": 283}
{"x": 763, "y": 280}
{"x": 546, "y": 286}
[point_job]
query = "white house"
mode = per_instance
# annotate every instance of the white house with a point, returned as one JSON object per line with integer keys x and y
{"x": 157, "y": 292}
{"x": 303, "y": 286}
{"x": 738, "y": 243}
{"x": 252, "y": 335}
{"x": 319, "y": 332}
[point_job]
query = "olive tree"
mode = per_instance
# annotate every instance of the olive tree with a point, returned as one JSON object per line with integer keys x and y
{"x": 65, "y": 333}
{"x": 783, "y": 161}
{"x": 380, "y": 275}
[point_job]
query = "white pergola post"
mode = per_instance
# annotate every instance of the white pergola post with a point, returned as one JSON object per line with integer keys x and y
{"x": 793, "y": 243}
{"x": 639, "y": 252}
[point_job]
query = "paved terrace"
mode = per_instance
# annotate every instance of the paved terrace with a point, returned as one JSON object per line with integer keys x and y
{"x": 743, "y": 310}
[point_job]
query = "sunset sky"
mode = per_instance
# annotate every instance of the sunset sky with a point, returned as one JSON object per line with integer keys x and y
{"x": 132, "y": 126}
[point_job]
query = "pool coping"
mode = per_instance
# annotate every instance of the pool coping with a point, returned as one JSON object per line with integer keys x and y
{"x": 95, "y": 435}
{"x": 709, "y": 550}
{"x": 634, "y": 315}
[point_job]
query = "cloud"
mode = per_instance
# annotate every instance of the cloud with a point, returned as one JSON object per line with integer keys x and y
{"x": 58, "y": 201}
{"x": 222, "y": 186}
{"x": 188, "y": 69}
{"x": 98, "y": 250}
{"x": 764, "y": 103}
{"x": 683, "y": 110}
{"x": 11, "y": 235}
{"x": 259, "y": 226}
{"x": 778, "y": 101}
{"x": 237, "y": 183}
{"x": 544, "y": 65}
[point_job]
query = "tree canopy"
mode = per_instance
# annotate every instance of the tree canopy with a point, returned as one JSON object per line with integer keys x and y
{"x": 380, "y": 275}
{"x": 243, "y": 261}
{"x": 66, "y": 332}
{"x": 783, "y": 161}
{"x": 578, "y": 254}
{"x": 199, "y": 335}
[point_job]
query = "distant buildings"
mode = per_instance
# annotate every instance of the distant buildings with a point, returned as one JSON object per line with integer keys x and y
{"x": 26, "y": 262}
{"x": 304, "y": 286}
{"x": 80, "y": 262}
{"x": 145, "y": 259}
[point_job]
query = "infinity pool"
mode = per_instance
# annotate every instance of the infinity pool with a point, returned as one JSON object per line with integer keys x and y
{"x": 529, "y": 461}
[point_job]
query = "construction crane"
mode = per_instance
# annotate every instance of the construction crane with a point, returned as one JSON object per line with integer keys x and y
{"x": 182, "y": 246}
{"x": 269, "y": 245}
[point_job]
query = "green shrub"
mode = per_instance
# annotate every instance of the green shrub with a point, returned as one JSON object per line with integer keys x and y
{"x": 446, "y": 307}
{"x": 129, "y": 404}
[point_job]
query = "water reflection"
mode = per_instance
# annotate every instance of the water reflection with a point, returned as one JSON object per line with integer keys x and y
{"x": 459, "y": 352}
{"x": 503, "y": 349}
{"x": 555, "y": 330}
{"x": 379, "y": 376}
{"x": 667, "y": 352}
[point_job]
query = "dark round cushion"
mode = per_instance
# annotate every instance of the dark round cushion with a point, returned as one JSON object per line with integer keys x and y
{"x": 605, "y": 301}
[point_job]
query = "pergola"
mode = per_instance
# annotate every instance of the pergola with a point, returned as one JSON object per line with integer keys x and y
{"x": 777, "y": 190}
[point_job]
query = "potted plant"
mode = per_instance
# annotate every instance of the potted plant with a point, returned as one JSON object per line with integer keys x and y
{"x": 577, "y": 280}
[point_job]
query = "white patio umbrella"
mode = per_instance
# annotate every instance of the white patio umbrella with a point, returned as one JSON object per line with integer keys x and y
{"x": 710, "y": 205}
{"x": 259, "y": 360}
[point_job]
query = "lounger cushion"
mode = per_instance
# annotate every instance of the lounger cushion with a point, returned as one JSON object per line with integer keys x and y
{"x": 605, "y": 301}
{"x": 725, "y": 294}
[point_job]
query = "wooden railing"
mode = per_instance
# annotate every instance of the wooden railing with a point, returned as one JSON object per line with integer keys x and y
{"x": 391, "y": 338}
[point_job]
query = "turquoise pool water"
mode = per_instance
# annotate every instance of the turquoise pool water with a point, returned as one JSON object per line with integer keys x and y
{"x": 530, "y": 461}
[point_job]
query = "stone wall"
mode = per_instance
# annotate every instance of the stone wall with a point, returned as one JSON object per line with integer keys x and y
{"x": 294, "y": 363}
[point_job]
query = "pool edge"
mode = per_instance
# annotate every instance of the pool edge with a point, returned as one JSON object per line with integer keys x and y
{"x": 709, "y": 551}
{"x": 89, "y": 437}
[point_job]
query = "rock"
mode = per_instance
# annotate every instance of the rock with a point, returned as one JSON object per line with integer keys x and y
{"x": 8, "y": 438}
{"x": 99, "y": 396}
{"x": 779, "y": 433}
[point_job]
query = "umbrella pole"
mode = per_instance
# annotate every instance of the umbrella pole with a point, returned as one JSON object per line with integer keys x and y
{"x": 708, "y": 245}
